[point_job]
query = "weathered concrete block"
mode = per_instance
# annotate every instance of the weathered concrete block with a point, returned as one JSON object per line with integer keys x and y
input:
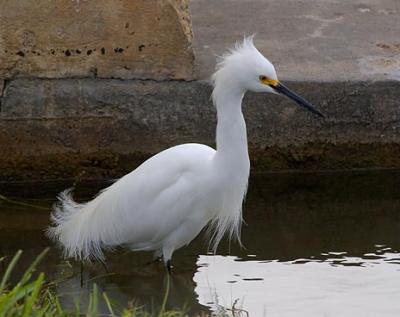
{"x": 105, "y": 128}
{"x": 102, "y": 38}
{"x": 307, "y": 40}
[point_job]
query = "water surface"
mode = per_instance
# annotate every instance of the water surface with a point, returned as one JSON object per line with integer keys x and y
{"x": 316, "y": 244}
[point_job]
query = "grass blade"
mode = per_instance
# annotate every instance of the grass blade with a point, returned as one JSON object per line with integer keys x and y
{"x": 93, "y": 302}
{"x": 164, "y": 303}
{"x": 108, "y": 303}
{"x": 9, "y": 269}
{"x": 32, "y": 267}
{"x": 30, "y": 301}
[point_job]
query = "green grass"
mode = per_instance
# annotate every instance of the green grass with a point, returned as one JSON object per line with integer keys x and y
{"x": 33, "y": 297}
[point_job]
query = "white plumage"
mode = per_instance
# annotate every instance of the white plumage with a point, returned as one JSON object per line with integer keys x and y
{"x": 164, "y": 203}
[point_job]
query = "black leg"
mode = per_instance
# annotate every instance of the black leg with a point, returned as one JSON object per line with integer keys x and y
{"x": 81, "y": 274}
{"x": 169, "y": 266}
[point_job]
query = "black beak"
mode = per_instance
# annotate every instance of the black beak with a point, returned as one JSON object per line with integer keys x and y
{"x": 283, "y": 90}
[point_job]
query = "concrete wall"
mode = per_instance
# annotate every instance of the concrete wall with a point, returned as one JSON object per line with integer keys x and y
{"x": 102, "y": 38}
{"x": 70, "y": 114}
{"x": 103, "y": 128}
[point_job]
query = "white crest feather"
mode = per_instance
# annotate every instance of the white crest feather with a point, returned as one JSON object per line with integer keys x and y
{"x": 241, "y": 48}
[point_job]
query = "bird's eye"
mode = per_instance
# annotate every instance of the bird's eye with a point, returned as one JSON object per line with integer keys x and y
{"x": 263, "y": 78}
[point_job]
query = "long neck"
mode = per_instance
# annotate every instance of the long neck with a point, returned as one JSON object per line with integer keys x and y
{"x": 231, "y": 130}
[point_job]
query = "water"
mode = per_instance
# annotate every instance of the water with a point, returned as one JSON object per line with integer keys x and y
{"x": 317, "y": 244}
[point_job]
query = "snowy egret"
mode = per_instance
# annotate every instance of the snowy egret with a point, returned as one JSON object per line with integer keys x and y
{"x": 164, "y": 203}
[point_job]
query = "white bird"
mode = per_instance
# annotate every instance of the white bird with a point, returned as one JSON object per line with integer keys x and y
{"x": 164, "y": 203}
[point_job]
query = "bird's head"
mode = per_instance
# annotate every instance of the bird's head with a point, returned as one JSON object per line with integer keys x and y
{"x": 244, "y": 68}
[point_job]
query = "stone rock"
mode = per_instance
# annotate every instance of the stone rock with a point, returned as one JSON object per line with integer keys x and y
{"x": 96, "y": 38}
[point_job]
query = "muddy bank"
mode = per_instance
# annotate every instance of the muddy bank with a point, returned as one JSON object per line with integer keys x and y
{"x": 105, "y": 165}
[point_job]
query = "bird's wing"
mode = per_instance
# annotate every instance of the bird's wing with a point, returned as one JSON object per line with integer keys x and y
{"x": 148, "y": 203}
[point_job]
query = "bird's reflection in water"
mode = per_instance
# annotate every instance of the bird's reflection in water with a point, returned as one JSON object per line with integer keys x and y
{"x": 333, "y": 284}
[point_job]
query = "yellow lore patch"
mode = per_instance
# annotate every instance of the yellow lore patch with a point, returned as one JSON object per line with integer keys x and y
{"x": 269, "y": 82}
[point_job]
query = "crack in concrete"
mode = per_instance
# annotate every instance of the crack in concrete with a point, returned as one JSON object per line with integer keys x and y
{"x": 56, "y": 118}
{"x": 3, "y": 86}
{"x": 1, "y": 92}
{"x": 9, "y": 80}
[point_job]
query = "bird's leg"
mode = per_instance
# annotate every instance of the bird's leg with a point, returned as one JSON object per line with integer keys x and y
{"x": 81, "y": 265}
{"x": 169, "y": 266}
{"x": 167, "y": 255}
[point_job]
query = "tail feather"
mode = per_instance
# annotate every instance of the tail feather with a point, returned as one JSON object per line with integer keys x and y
{"x": 76, "y": 227}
